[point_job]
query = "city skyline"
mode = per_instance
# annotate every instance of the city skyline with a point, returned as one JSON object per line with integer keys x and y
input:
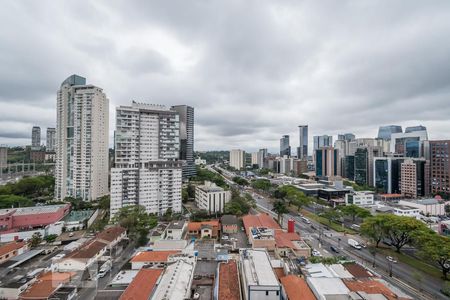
{"x": 245, "y": 90}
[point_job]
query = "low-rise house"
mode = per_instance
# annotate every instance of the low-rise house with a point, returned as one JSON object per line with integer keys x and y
{"x": 12, "y": 249}
{"x": 260, "y": 230}
{"x": 204, "y": 229}
{"x": 296, "y": 288}
{"x": 431, "y": 207}
{"x": 13, "y": 288}
{"x": 290, "y": 242}
{"x": 46, "y": 285}
{"x": 143, "y": 285}
{"x": 176, "y": 230}
{"x": 111, "y": 236}
{"x": 257, "y": 276}
{"x": 325, "y": 288}
{"x": 365, "y": 198}
{"x": 82, "y": 258}
{"x": 365, "y": 288}
{"x": 151, "y": 258}
{"x": 230, "y": 224}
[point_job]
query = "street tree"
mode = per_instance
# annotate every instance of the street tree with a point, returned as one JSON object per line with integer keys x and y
{"x": 137, "y": 222}
{"x": 373, "y": 228}
{"x": 35, "y": 240}
{"x": 280, "y": 208}
{"x": 262, "y": 184}
{"x": 332, "y": 215}
{"x": 435, "y": 249}
{"x": 354, "y": 211}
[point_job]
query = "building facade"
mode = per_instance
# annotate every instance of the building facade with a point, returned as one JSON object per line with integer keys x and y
{"x": 147, "y": 171}
{"x": 262, "y": 158}
{"x": 285, "y": 148}
{"x": 82, "y": 129}
{"x": 326, "y": 162}
{"x": 413, "y": 178}
{"x": 323, "y": 141}
{"x": 50, "y": 140}
{"x": 186, "y": 115}
{"x": 365, "y": 198}
{"x": 3, "y": 156}
{"x": 440, "y": 167}
{"x": 36, "y": 137}
{"x": 302, "y": 150}
{"x": 237, "y": 159}
{"x": 385, "y": 132}
{"x": 211, "y": 197}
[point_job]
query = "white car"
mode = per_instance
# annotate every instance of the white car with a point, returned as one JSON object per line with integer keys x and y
{"x": 391, "y": 259}
{"x": 315, "y": 253}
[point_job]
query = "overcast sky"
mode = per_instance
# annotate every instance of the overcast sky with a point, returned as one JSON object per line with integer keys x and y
{"x": 253, "y": 70}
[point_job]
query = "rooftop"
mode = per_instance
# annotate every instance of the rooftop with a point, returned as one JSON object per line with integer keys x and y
{"x": 33, "y": 210}
{"x": 87, "y": 251}
{"x": 257, "y": 268}
{"x": 325, "y": 287}
{"x": 210, "y": 187}
{"x": 110, "y": 234}
{"x": 296, "y": 288}
{"x": 13, "y": 246}
{"x": 370, "y": 287}
{"x": 259, "y": 220}
{"x": 229, "y": 281}
{"x": 78, "y": 215}
{"x": 229, "y": 220}
{"x": 176, "y": 224}
{"x": 289, "y": 240}
{"x": 124, "y": 277}
{"x": 196, "y": 226}
{"x": 340, "y": 271}
{"x": 46, "y": 285}
{"x": 142, "y": 285}
{"x": 357, "y": 270}
{"x": 318, "y": 271}
{"x": 431, "y": 201}
{"x": 153, "y": 256}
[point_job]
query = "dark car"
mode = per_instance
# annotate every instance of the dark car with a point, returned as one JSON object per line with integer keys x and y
{"x": 334, "y": 249}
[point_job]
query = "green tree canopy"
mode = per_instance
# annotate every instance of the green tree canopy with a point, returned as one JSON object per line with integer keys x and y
{"x": 280, "y": 208}
{"x": 373, "y": 228}
{"x": 240, "y": 181}
{"x": 435, "y": 249}
{"x": 9, "y": 201}
{"x": 332, "y": 215}
{"x": 262, "y": 184}
{"x": 136, "y": 221}
{"x": 35, "y": 240}
{"x": 354, "y": 211}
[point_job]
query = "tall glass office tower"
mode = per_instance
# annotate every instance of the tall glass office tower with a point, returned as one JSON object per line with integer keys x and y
{"x": 302, "y": 150}
{"x": 384, "y": 132}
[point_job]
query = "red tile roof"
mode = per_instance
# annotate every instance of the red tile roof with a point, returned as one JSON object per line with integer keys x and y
{"x": 228, "y": 281}
{"x": 357, "y": 271}
{"x": 10, "y": 247}
{"x": 111, "y": 233}
{"x": 196, "y": 226}
{"x": 142, "y": 285}
{"x": 370, "y": 287}
{"x": 296, "y": 288}
{"x": 284, "y": 239}
{"x": 153, "y": 256}
{"x": 45, "y": 285}
{"x": 88, "y": 250}
{"x": 259, "y": 220}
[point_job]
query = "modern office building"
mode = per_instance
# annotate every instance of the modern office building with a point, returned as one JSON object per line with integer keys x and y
{"x": 237, "y": 159}
{"x": 387, "y": 174}
{"x": 362, "y": 166}
{"x": 147, "y": 170}
{"x": 36, "y": 137}
{"x": 211, "y": 197}
{"x": 413, "y": 178}
{"x": 302, "y": 150}
{"x": 285, "y": 148}
{"x": 349, "y": 167}
{"x": 186, "y": 115}
{"x": 440, "y": 167}
{"x": 326, "y": 162}
{"x": 408, "y": 144}
{"x": 323, "y": 141}
{"x": 341, "y": 146}
{"x": 385, "y": 132}
{"x": 415, "y": 128}
{"x": 82, "y": 129}
{"x": 346, "y": 137}
{"x": 50, "y": 140}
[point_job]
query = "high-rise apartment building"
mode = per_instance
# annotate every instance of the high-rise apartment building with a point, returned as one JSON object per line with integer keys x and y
{"x": 237, "y": 159}
{"x": 302, "y": 150}
{"x": 385, "y": 132}
{"x": 440, "y": 167}
{"x": 413, "y": 178}
{"x": 186, "y": 114}
{"x": 254, "y": 160}
{"x": 285, "y": 148}
{"x": 50, "y": 140}
{"x": 147, "y": 171}
{"x": 3, "y": 156}
{"x": 81, "y": 140}
{"x": 326, "y": 162}
{"x": 36, "y": 137}
{"x": 262, "y": 158}
{"x": 323, "y": 141}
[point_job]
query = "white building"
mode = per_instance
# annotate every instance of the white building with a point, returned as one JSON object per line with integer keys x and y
{"x": 82, "y": 128}
{"x": 431, "y": 207}
{"x": 365, "y": 198}
{"x": 200, "y": 161}
{"x": 328, "y": 288}
{"x": 258, "y": 278}
{"x": 175, "y": 230}
{"x": 255, "y": 158}
{"x": 211, "y": 197}
{"x": 147, "y": 171}
{"x": 237, "y": 159}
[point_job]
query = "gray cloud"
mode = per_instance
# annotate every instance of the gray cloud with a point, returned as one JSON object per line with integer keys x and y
{"x": 253, "y": 70}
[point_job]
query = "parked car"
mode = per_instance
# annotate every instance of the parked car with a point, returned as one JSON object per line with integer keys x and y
{"x": 314, "y": 252}
{"x": 391, "y": 259}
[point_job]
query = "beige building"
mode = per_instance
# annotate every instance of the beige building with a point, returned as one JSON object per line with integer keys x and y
{"x": 211, "y": 197}
{"x": 408, "y": 182}
{"x": 255, "y": 158}
{"x": 237, "y": 159}
{"x": 82, "y": 148}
